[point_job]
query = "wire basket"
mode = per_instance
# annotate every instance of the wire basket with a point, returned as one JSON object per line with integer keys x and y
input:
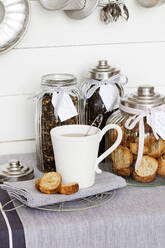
{"x": 68, "y": 206}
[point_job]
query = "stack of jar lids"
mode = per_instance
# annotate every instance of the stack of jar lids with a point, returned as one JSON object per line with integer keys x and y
{"x": 144, "y": 98}
{"x": 15, "y": 171}
{"x": 103, "y": 71}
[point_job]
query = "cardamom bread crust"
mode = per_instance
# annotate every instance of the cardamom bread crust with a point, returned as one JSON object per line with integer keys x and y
{"x": 157, "y": 148}
{"x": 134, "y": 148}
{"x": 68, "y": 189}
{"x": 147, "y": 170}
{"x": 161, "y": 166}
{"x": 122, "y": 158}
{"x": 147, "y": 179}
{"x": 50, "y": 183}
{"x": 37, "y": 183}
{"x": 123, "y": 172}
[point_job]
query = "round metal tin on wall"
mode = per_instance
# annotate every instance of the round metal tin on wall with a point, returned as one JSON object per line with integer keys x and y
{"x": 89, "y": 7}
{"x": 62, "y": 4}
{"x": 75, "y": 5}
{"x": 14, "y": 19}
{"x": 54, "y": 4}
{"x": 150, "y": 3}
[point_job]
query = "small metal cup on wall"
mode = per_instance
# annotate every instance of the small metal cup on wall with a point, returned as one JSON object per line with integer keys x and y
{"x": 150, "y": 3}
{"x": 63, "y": 4}
{"x": 75, "y": 9}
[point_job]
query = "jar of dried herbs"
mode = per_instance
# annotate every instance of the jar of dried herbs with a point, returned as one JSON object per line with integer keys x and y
{"x": 58, "y": 103}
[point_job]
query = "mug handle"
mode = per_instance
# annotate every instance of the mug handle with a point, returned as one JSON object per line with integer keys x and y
{"x": 113, "y": 147}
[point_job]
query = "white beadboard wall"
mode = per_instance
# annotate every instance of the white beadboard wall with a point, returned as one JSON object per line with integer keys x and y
{"x": 55, "y": 43}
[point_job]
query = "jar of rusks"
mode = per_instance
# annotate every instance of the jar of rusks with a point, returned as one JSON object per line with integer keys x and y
{"x": 141, "y": 153}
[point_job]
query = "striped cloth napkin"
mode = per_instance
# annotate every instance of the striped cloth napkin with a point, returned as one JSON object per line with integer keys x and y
{"x": 26, "y": 192}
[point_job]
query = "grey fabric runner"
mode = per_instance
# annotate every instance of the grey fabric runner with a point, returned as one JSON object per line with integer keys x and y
{"x": 11, "y": 228}
{"x": 30, "y": 196}
{"x": 135, "y": 218}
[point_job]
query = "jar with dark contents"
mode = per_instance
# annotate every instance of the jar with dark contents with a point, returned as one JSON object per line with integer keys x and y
{"x": 101, "y": 93}
{"x": 58, "y": 103}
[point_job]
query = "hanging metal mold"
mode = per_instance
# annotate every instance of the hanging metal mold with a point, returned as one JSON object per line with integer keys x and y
{"x": 88, "y": 9}
{"x": 14, "y": 20}
{"x": 63, "y": 4}
{"x": 113, "y": 10}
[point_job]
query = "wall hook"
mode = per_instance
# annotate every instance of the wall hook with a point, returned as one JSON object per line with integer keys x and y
{"x": 80, "y": 9}
{"x": 113, "y": 10}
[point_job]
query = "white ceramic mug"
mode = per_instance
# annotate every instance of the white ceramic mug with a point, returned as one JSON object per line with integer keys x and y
{"x": 76, "y": 157}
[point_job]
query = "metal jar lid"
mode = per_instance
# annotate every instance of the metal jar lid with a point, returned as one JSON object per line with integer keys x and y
{"x": 15, "y": 171}
{"x": 103, "y": 71}
{"x": 58, "y": 79}
{"x": 144, "y": 98}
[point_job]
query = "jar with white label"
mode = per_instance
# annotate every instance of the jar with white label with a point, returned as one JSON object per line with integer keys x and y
{"x": 101, "y": 93}
{"x": 140, "y": 156}
{"x": 58, "y": 103}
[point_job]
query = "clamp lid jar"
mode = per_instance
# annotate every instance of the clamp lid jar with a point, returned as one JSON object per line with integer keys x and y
{"x": 101, "y": 91}
{"x": 141, "y": 154}
{"x": 103, "y": 71}
{"x": 58, "y": 103}
{"x": 144, "y": 98}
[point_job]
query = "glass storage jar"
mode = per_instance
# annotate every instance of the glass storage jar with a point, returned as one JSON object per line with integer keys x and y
{"x": 101, "y": 92}
{"x": 58, "y": 103}
{"x": 140, "y": 156}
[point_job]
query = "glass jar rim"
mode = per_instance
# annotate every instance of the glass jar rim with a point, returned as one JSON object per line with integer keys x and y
{"x": 58, "y": 79}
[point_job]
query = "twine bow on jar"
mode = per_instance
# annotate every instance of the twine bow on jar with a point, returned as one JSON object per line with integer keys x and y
{"x": 137, "y": 116}
{"x": 61, "y": 91}
{"x": 92, "y": 85}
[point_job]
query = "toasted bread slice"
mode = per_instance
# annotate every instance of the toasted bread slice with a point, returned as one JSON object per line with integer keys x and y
{"x": 37, "y": 183}
{"x": 148, "y": 140}
{"x": 50, "y": 183}
{"x": 114, "y": 134}
{"x": 134, "y": 148}
{"x": 161, "y": 166}
{"x": 122, "y": 158}
{"x": 123, "y": 172}
{"x": 147, "y": 169}
{"x": 68, "y": 189}
{"x": 147, "y": 179}
{"x": 157, "y": 148}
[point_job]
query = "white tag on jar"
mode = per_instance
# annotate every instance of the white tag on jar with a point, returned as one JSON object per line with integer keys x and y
{"x": 110, "y": 96}
{"x": 159, "y": 123}
{"x": 63, "y": 106}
